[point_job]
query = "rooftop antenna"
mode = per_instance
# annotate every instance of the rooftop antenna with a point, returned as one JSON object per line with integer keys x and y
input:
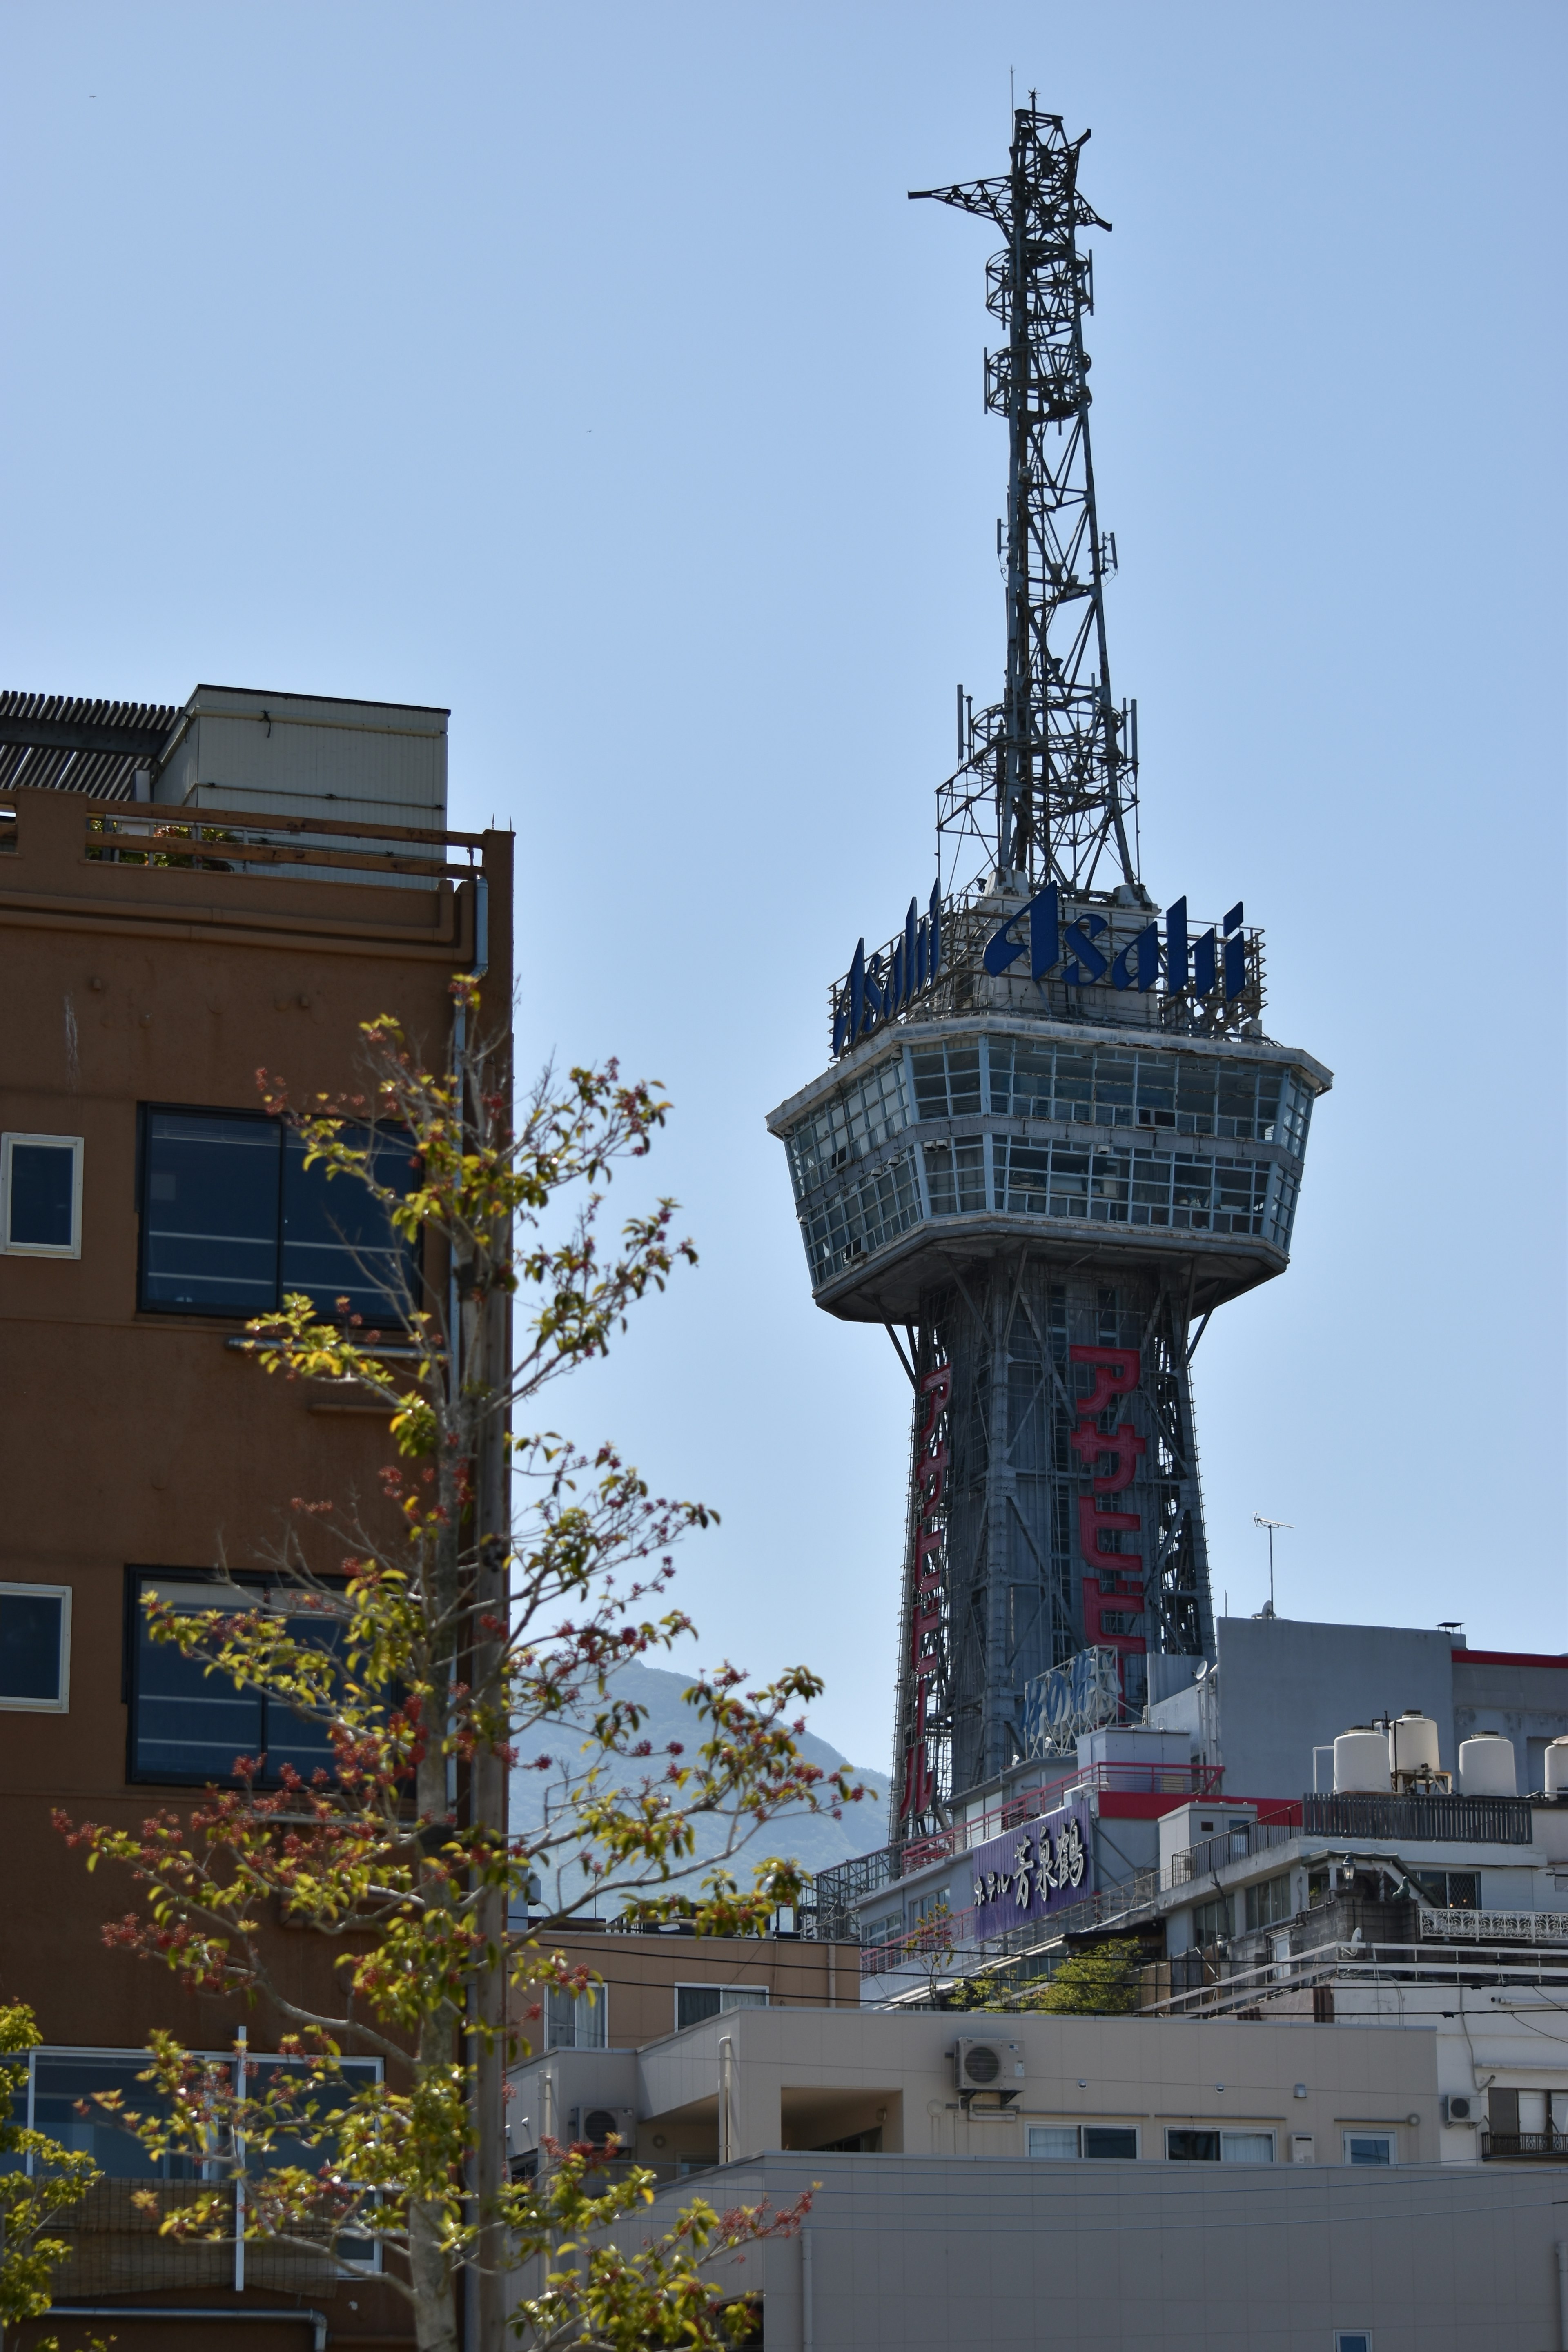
{"x": 1259, "y": 1521}
{"x": 1046, "y": 778}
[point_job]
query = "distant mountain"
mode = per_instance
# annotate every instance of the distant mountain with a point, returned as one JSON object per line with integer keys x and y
{"x": 815, "y": 1840}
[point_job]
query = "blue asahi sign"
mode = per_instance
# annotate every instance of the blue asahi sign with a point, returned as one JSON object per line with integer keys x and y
{"x": 1033, "y": 1870}
{"x": 1069, "y": 952}
{"x": 881, "y": 985}
{"x": 878, "y": 988}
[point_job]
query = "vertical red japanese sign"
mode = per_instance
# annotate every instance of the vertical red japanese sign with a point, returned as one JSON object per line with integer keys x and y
{"x": 1116, "y": 1594}
{"x": 925, "y": 1662}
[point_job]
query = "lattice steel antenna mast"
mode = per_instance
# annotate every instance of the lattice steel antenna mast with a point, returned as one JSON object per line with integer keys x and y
{"x": 1056, "y": 758}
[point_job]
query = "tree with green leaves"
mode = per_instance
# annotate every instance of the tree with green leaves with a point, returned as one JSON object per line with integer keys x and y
{"x": 1099, "y": 1981}
{"x": 489, "y": 1594}
{"x": 41, "y": 2184}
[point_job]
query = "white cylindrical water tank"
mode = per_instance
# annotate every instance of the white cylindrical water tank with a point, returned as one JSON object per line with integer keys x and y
{"x": 1361, "y": 1760}
{"x": 1557, "y": 1768}
{"x": 1413, "y": 1743}
{"x": 1487, "y": 1764}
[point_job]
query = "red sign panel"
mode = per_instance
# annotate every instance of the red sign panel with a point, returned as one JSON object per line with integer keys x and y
{"x": 1115, "y": 1595}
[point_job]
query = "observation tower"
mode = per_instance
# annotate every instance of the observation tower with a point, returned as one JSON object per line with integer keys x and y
{"x": 1053, "y": 1136}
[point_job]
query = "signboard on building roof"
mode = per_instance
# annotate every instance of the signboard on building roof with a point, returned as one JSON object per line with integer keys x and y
{"x": 1033, "y": 1870}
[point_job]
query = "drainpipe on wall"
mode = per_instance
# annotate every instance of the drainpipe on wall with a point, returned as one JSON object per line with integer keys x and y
{"x": 726, "y": 2086}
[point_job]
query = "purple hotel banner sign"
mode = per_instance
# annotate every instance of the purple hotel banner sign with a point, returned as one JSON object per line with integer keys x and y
{"x": 1032, "y": 1871}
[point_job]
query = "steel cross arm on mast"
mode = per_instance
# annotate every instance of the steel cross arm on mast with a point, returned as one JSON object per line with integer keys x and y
{"x": 1056, "y": 754}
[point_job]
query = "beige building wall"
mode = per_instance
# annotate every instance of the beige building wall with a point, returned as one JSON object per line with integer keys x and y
{"x": 939, "y": 2254}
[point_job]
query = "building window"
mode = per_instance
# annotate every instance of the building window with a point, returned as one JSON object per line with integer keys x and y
{"x": 1059, "y": 2141}
{"x": 577, "y": 2021}
{"x": 1450, "y": 1890}
{"x": 1188, "y": 2147}
{"x": 1351, "y": 2339}
{"x": 694, "y": 2003}
{"x": 1268, "y": 1902}
{"x": 233, "y": 1220}
{"x": 188, "y": 1727}
{"x": 34, "y": 1647}
{"x": 40, "y": 1194}
{"x": 1369, "y": 2147}
{"x": 1211, "y": 1921}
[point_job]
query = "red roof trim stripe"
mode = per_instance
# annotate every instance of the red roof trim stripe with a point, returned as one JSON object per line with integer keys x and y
{"x": 1511, "y": 1658}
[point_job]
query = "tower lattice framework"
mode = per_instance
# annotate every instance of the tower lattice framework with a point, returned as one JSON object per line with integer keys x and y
{"x": 1049, "y": 776}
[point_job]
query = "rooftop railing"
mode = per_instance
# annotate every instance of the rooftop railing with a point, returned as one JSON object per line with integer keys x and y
{"x": 332, "y": 849}
{"x": 1479, "y": 1821}
{"x": 839, "y": 1888}
{"x": 1352, "y": 1963}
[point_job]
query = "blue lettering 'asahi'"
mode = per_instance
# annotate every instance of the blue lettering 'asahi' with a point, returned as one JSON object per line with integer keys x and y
{"x": 879, "y": 986}
{"x": 1068, "y": 952}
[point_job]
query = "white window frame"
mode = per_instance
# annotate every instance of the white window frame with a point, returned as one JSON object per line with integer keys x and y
{"x": 40, "y": 1249}
{"x": 756, "y": 1997}
{"x": 1369, "y": 2132}
{"x": 61, "y": 1705}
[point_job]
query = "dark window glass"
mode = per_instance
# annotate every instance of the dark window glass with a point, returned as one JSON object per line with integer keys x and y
{"x": 189, "y": 1726}
{"x": 232, "y": 1219}
{"x": 62, "y": 2086}
{"x": 1193, "y": 2146}
{"x": 30, "y": 1645}
{"x": 209, "y": 1214}
{"x": 42, "y": 1190}
{"x": 1107, "y": 2139}
{"x": 338, "y": 1241}
{"x": 693, "y": 2003}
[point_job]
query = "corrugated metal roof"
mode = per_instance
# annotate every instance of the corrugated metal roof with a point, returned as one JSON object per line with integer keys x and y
{"x": 73, "y": 743}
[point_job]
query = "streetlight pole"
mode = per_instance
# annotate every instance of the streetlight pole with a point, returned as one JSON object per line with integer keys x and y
{"x": 1259, "y": 1521}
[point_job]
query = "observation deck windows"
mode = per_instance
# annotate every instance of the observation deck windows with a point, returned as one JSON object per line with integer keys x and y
{"x": 849, "y": 1126}
{"x": 947, "y": 1080}
{"x": 1189, "y": 1092}
{"x": 862, "y": 1217}
{"x": 955, "y": 1177}
{"x": 1138, "y": 1188}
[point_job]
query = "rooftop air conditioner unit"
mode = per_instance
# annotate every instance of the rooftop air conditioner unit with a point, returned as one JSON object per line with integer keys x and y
{"x": 1462, "y": 2108}
{"x": 597, "y": 2125}
{"x": 990, "y": 2066}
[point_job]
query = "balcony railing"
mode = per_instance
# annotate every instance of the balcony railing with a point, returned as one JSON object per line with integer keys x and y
{"x": 1551, "y": 2148}
{"x": 1242, "y": 1838}
{"x": 1495, "y": 1927}
{"x": 1484, "y": 1820}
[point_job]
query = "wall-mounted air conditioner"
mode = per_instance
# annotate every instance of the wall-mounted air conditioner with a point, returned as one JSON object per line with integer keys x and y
{"x": 595, "y": 2124}
{"x": 990, "y": 2066}
{"x": 1464, "y": 2107}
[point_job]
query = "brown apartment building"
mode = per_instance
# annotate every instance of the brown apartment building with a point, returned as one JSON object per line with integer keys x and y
{"x": 148, "y": 1206}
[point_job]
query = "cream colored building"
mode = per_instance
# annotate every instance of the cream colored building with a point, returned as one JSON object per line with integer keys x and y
{"x": 1121, "y": 2182}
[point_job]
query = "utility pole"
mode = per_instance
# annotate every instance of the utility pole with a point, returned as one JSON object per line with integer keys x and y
{"x": 480, "y": 1339}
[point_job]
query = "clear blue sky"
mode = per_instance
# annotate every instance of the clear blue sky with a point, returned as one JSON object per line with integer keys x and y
{"x": 586, "y": 370}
